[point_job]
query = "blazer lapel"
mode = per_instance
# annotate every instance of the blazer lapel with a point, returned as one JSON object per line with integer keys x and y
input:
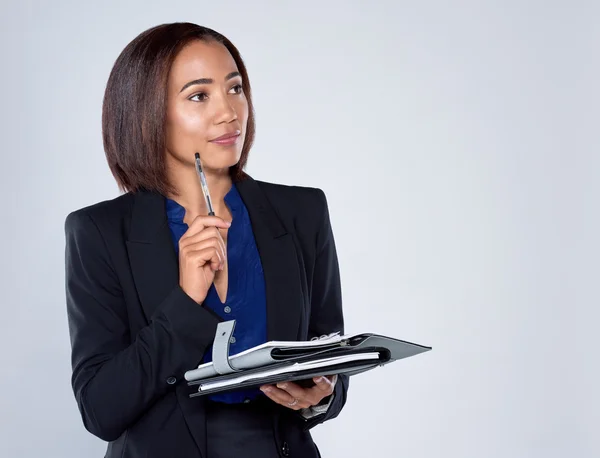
{"x": 285, "y": 299}
{"x": 151, "y": 251}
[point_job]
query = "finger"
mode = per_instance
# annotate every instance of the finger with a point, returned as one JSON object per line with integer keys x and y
{"x": 304, "y": 395}
{"x": 194, "y": 237}
{"x": 202, "y": 222}
{"x": 278, "y": 395}
{"x": 275, "y": 398}
{"x": 216, "y": 242}
{"x": 269, "y": 391}
{"x": 323, "y": 385}
{"x": 205, "y": 234}
{"x": 199, "y": 258}
{"x": 283, "y": 398}
{"x": 275, "y": 394}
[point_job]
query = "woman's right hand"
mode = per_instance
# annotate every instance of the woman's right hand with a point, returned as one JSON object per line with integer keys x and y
{"x": 202, "y": 253}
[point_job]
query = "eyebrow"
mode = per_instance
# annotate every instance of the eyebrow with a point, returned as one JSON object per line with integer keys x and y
{"x": 208, "y": 80}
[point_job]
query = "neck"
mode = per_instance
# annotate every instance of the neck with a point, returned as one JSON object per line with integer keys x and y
{"x": 191, "y": 196}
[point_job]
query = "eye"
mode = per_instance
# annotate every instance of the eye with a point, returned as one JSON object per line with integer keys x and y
{"x": 237, "y": 89}
{"x": 200, "y": 95}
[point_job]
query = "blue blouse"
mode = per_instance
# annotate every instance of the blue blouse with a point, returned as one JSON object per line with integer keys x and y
{"x": 246, "y": 300}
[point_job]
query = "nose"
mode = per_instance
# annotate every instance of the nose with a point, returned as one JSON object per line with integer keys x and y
{"x": 225, "y": 111}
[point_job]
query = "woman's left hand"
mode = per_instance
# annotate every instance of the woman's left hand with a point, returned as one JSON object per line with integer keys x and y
{"x": 293, "y": 396}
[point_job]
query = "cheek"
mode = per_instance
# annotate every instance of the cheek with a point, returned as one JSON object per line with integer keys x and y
{"x": 187, "y": 123}
{"x": 242, "y": 111}
{"x": 184, "y": 128}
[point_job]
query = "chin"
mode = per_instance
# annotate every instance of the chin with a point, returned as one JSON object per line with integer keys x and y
{"x": 222, "y": 164}
{"x": 217, "y": 160}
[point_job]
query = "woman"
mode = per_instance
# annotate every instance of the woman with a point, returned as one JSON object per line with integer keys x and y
{"x": 149, "y": 275}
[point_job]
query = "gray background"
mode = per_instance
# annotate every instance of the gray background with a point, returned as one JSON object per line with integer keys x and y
{"x": 455, "y": 142}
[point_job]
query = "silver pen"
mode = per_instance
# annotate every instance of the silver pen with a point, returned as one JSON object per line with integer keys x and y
{"x": 204, "y": 186}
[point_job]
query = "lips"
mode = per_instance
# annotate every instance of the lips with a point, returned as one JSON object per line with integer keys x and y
{"x": 228, "y": 136}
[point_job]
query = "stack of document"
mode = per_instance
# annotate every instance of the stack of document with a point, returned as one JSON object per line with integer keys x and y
{"x": 274, "y": 361}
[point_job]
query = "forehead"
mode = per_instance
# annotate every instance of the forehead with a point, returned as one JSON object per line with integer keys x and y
{"x": 201, "y": 59}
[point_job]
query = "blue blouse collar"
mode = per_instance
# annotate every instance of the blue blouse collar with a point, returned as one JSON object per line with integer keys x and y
{"x": 176, "y": 212}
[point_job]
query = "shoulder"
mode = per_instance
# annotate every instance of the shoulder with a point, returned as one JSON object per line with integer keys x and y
{"x": 302, "y": 209}
{"x": 298, "y": 198}
{"x": 109, "y": 212}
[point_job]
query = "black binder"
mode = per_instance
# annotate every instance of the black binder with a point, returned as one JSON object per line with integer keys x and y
{"x": 275, "y": 362}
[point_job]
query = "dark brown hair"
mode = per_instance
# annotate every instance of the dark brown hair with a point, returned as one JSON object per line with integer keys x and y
{"x": 135, "y": 101}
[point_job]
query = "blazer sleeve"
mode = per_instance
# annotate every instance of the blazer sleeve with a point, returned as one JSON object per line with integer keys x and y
{"x": 116, "y": 376}
{"x": 326, "y": 305}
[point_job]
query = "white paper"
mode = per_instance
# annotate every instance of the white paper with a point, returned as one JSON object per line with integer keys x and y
{"x": 331, "y": 339}
{"x": 316, "y": 364}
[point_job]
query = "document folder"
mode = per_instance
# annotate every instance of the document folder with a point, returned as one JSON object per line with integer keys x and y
{"x": 274, "y": 361}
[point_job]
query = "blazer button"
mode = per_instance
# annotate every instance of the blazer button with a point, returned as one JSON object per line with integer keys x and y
{"x": 285, "y": 449}
{"x": 171, "y": 380}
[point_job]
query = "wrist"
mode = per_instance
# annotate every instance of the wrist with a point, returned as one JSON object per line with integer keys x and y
{"x": 198, "y": 299}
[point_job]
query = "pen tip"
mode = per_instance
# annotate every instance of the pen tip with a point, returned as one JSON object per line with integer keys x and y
{"x": 197, "y": 155}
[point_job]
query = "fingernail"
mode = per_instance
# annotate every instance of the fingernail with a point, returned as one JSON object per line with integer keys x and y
{"x": 282, "y": 385}
{"x": 318, "y": 379}
{"x": 228, "y": 223}
{"x": 266, "y": 389}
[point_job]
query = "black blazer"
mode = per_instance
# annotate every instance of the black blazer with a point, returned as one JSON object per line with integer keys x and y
{"x": 134, "y": 332}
